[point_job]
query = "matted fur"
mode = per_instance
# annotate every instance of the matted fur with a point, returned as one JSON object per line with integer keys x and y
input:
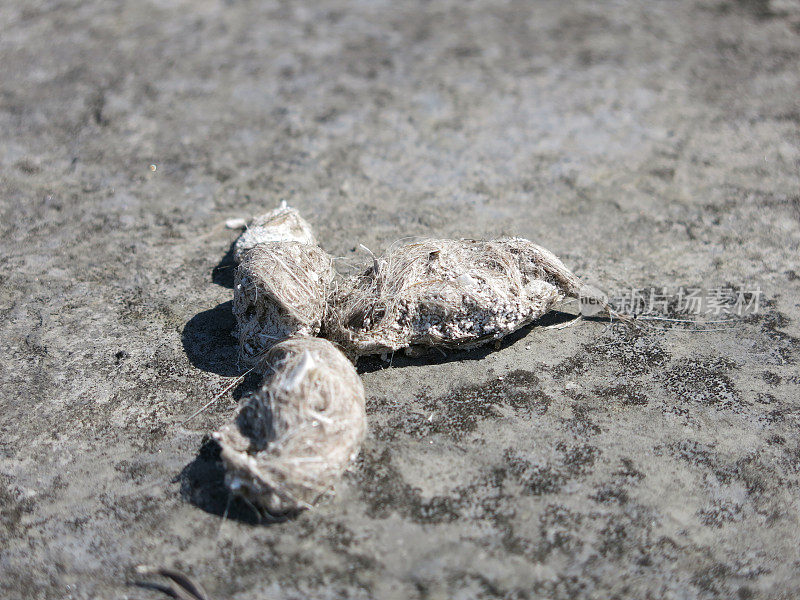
{"x": 291, "y": 440}
{"x": 447, "y": 294}
{"x": 280, "y": 290}
{"x": 283, "y": 224}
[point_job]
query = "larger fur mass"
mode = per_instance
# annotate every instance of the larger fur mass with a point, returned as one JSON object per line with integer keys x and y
{"x": 446, "y": 294}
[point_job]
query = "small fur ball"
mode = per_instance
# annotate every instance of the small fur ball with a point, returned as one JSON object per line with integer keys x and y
{"x": 283, "y": 224}
{"x": 280, "y": 290}
{"x": 290, "y": 442}
{"x": 447, "y": 294}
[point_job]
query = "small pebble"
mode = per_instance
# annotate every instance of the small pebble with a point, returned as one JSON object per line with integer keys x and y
{"x": 236, "y": 223}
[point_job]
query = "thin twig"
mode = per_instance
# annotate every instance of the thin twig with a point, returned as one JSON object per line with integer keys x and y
{"x": 217, "y": 397}
{"x": 180, "y": 586}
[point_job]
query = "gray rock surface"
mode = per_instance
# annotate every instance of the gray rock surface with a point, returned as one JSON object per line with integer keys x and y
{"x": 645, "y": 143}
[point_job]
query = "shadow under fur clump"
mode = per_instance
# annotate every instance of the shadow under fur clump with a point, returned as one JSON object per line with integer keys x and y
{"x": 208, "y": 342}
{"x": 202, "y": 484}
{"x": 223, "y": 273}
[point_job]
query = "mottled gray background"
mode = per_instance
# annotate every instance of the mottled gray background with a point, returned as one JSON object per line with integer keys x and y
{"x": 646, "y": 143}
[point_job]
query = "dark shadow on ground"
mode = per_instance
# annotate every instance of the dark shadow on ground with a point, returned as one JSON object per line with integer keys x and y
{"x": 203, "y": 485}
{"x": 208, "y": 342}
{"x": 223, "y": 273}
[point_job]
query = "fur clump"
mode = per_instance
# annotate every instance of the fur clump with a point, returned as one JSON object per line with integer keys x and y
{"x": 283, "y": 224}
{"x": 447, "y": 294}
{"x": 290, "y": 442}
{"x": 280, "y": 290}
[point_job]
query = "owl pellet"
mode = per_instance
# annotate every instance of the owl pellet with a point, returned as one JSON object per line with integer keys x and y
{"x": 447, "y": 294}
{"x": 280, "y": 290}
{"x": 290, "y": 442}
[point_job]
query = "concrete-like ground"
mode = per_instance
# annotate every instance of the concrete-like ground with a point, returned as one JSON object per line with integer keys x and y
{"x": 648, "y": 144}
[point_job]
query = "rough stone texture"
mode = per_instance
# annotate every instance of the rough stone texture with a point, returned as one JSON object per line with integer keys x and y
{"x": 645, "y": 143}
